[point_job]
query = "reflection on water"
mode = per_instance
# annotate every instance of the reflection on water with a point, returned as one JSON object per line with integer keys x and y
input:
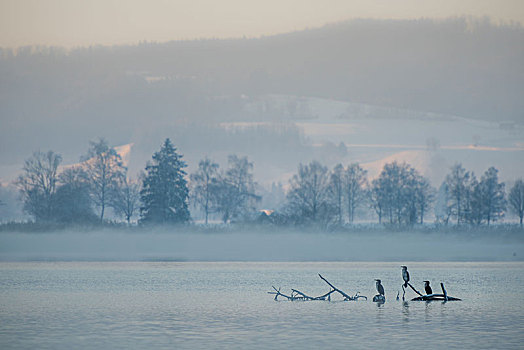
{"x": 226, "y": 305}
{"x": 405, "y": 311}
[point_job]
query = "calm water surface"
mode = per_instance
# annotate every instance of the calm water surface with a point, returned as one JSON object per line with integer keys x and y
{"x": 66, "y": 305}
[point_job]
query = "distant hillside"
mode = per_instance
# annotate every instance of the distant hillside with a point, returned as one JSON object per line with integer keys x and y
{"x": 50, "y": 98}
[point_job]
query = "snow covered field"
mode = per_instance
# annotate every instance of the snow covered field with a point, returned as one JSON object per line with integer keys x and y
{"x": 430, "y": 142}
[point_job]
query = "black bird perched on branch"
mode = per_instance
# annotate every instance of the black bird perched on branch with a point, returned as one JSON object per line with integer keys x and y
{"x": 427, "y": 288}
{"x": 380, "y": 288}
{"x": 405, "y": 275}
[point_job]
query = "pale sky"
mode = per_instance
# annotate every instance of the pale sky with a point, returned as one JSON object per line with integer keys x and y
{"x": 73, "y": 23}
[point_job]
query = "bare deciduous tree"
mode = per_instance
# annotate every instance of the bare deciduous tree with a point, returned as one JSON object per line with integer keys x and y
{"x": 401, "y": 193}
{"x": 308, "y": 197}
{"x": 105, "y": 171}
{"x": 355, "y": 192}
{"x": 235, "y": 190}
{"x": 459, "y": 184}
{"x": 493, "y": 202}
{"x": 38, "y": 184}
{"x": 125, "y": 199}
{"x": 203, "y": 185}
{"x": 516, "y": 199}
{"x": 424, "y": 196}
{"x": 336, "y": 189}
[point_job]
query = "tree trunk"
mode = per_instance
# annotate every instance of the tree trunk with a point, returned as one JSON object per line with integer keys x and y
{"x": 207, "y": 210}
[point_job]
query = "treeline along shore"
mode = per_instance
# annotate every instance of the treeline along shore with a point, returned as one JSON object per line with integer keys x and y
{"x": 214, "y": 197}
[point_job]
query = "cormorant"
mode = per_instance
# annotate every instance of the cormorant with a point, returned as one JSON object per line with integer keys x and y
{"x": 427, "y": 288}
{"x": 380, "y": 288}
{"x": 405, "y": 275}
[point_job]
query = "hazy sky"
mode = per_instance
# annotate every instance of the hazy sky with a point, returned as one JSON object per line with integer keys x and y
{"x": 86, "y": 22}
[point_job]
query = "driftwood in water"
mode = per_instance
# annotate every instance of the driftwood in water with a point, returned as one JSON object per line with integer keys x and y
{"x": 404, "y": 290}
{"x": 278, "y": 293}
{"x": 416, "y": 291}
{"x": 346, "y": 297}
{"x": 444, "y": 296}
{"x": 298, "y": 295}
{"x": 307, "y": 297}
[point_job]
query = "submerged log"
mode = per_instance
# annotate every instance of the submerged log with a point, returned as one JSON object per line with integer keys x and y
{"x": 431, "y": 297}
{"x": 443, "y": 297}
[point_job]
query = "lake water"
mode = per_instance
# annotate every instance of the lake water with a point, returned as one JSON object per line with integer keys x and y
{"x": 108, "y": 305}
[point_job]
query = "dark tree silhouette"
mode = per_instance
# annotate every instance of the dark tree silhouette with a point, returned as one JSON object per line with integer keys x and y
{"x": 72, "y": 200}
{"x": 164, "y": 191}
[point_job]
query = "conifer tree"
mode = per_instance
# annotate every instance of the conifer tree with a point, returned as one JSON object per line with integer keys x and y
{"x": 164, "y": 192}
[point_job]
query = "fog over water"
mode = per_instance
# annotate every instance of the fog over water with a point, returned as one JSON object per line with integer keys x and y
{"x": 273, "y": 245}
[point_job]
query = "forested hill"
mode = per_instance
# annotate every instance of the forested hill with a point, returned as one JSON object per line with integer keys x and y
{"x": 458, "y": 66}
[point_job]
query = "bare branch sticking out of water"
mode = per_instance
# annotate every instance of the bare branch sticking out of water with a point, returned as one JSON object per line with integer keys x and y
{"x": 404, "y": 290}
{"x": 416, "y": 291}
{"x": 277, "y": 293}
{"x": 298, "y": 295}
{"x": 346, "y": 297}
